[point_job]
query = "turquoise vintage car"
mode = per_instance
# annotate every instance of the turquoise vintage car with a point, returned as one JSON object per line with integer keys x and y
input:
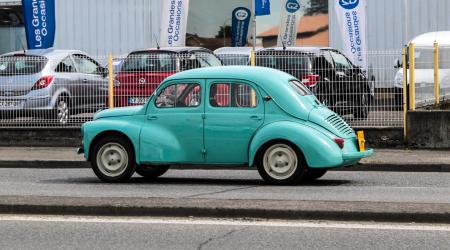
{"x": 234, "y": 115}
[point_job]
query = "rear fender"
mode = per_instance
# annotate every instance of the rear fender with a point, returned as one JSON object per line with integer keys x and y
{"x": 319, "y": 150}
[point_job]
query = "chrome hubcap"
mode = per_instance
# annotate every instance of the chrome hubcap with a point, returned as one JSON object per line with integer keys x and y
{"x": 62, "y": 111}
{"x": 280, "y": 161}
{"x": 112, "y": 159}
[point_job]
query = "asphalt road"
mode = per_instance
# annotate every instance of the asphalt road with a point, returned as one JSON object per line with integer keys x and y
{"x": 232, "y": 184}
{"x": 33, "y": 232}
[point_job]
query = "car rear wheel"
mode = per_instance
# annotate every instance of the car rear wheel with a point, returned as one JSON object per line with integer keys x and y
{"x": 151, "y": 172}
{"x": 314, "y": 174}
{"x": 281, "y": 164}
{"x": 113, "y": 159}
{"x": 62, "y": 110}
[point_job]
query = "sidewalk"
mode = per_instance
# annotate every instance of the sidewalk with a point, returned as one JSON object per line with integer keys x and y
{"x": 382, "y": 160}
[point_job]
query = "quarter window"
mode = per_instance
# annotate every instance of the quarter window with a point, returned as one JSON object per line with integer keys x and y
{"x": 179, "y": 95}
{"x": 65, "y": 66}
{"x": 236, "y": 95}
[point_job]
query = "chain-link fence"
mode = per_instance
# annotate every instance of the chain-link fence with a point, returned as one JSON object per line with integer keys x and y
{"x": 66, "y": 88}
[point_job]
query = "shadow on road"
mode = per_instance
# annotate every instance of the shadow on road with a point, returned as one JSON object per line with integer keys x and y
{"x": 194, "y": 181}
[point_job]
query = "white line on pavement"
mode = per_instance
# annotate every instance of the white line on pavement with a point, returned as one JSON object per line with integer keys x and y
{"x": 229, "y": 222}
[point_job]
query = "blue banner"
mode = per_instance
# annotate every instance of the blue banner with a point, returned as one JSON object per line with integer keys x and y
{"x": 239, "y": 26}
{"x": 262, "y": 7}
{"x": 40, "y": 23}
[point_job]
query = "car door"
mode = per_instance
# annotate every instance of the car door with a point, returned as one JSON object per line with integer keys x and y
{"x": 66, "y": 77}
{"x": 92, "y": 82}
{"x": 344, "y": 79}
{"x": 233, "y": 113}
{"x": 173, "y": 131}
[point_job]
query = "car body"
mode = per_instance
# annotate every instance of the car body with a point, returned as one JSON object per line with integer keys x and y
{"x": 235, "y": 55}
{"x": 187, "y": 121}
{"x": 50, "y": 83}
{"x": 424, "y": 68}
{"x": 335, "y": 80}
{"x": 143, "y": 70}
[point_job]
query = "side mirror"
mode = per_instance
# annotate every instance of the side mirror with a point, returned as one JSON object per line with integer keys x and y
{"x": 103, "y": 71}
{"x": 397, "y": 64}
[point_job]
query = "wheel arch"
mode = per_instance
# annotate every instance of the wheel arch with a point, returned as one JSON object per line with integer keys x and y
{"x": 105, "y": 134}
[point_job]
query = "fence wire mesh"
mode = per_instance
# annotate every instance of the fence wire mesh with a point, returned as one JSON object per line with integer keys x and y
{"x": 65, "y": 89}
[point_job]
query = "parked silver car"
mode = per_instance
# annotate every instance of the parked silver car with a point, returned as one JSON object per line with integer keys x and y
{"x": 235, "y": 55}
{"x": 52, "y": 84}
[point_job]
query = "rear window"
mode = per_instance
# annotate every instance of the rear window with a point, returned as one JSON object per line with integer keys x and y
{"x": 21, "y": 65}
{"x": 299, "y": 88}
{"x": 234, "y": 59}
{"x": 150, "y": 62}
{"x": 284, "y": 61}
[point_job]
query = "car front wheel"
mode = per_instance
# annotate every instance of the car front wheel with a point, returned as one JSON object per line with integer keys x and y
{"x": 281, "y": 164}
{"x": 113, "y": 159}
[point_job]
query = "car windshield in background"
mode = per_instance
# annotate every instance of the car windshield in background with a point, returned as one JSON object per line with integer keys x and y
{"x": 150, "y": 62}
{"x": 299, "y": 88}
{"x": 234, "y": 59}
{"x": 21, "y": 65}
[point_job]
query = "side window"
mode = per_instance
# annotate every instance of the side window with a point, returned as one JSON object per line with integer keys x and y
{"x": 341, "y": 61}
{"x": 86, "y": 65}
{"x": 235, "y": 95}
{"x": 179, "y": 95}
{"x": 66, "y": 66}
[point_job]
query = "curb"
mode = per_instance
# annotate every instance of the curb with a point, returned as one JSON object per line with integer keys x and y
{"x": 422, "y": 167}
{"x": 219, "y": 208}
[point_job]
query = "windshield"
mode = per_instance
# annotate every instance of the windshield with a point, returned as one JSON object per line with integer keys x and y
{"x": 150, "y": 62}
{"x": 231, "y": 59}
{"x": 299, "y": 88}
{"x": 21, "y": 65}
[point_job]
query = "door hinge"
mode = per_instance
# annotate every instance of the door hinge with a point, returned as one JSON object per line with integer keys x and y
{"x": 203, "y": 116}
{"x": 204, "y": 151}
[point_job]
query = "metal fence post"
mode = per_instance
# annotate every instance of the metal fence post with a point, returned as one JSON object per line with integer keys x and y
{"x": 404, "y": 92}
{"x": 412, "y": 83}
{"x": 110, "y": 82}
{"x": 436, "y": 73}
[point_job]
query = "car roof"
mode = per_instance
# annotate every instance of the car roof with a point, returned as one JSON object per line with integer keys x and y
{"x": 314, "y": 50}
{"x": 236, "y": 50}
{"x": 173, "y": 49}
{"x": 273, "y": 82}
{"x": 49, "y": 53}
{"x": 428, "y": 39}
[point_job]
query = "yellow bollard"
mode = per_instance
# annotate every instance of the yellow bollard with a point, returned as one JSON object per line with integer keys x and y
{"x": 253, "y": 63}
{"x": 412, "y": 83}
{"x": 436, "y": 73}
{"x": 404, "y": 92}
{"x": 361, "y": 141}
{"x": 110, "y": 82}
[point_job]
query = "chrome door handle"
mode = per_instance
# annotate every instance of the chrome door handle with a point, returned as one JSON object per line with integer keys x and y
{"x": 255, "y": 117}
{"x": 152, "y": 117}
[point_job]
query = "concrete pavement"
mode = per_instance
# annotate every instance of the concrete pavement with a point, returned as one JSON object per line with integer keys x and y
{"x": 382, "y": 160}
{"x": 362, "y": 196}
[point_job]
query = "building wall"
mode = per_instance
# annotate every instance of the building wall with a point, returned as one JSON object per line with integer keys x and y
{"x": 100, "y": 27}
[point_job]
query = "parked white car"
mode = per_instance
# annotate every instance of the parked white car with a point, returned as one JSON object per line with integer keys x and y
{"x": 235, "y": 55}
{"x": 424, "y": 67}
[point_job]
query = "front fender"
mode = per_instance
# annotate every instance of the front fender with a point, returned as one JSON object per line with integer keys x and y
{"x": 319, "y": 150}
{"x": 131, "y": 129}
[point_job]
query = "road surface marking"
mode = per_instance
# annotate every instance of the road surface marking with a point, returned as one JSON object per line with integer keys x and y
{"x": 229, "y": 222}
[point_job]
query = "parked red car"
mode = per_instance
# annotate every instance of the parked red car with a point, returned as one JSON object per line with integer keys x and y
{"x": 144, "y": 70}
